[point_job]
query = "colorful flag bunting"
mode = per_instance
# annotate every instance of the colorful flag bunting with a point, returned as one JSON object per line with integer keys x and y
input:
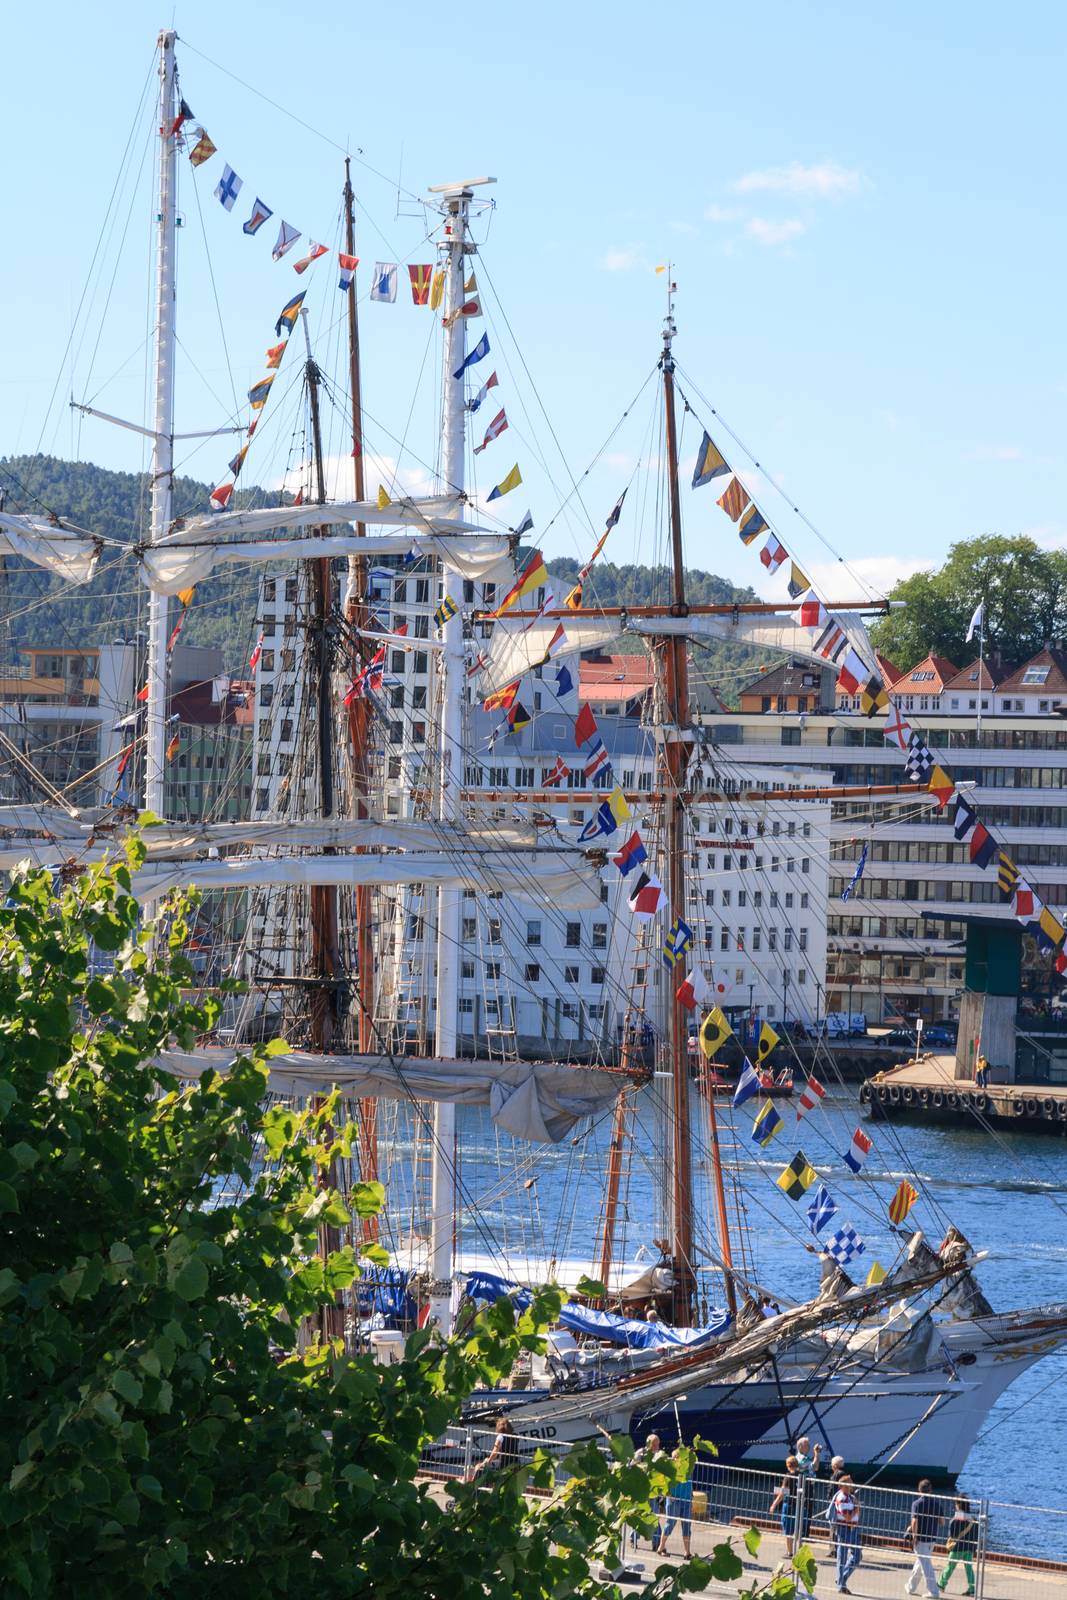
{"x": 1025, "y": 901}
{"x": 383, "y": 284}
{"x": 983, "y": 845}
{"x": 710, "y": 464}
{"x": 348, "y": 265}
{"x": 714, "y": 1032}
{"x": 490, "y": 383}
{"x": 918, "y": 762}
{"x": 573, "y": 601}
{"x": 564, "y": 682}
{"x": 846, "y": 893}
{"x": 1007, "y": 875}
{"x": 768, "y": 1124}
{"x": 184, "y": 115}
{"x": 437, "y": 289}
{"x": 897, "y": 730}
{"x": 748, "y": 1084}
{"x": 941, "y": 786}
{"x": 734, "y": 499}
{"x": 287, "y": 237}
{"x": 773, "y": 554}
{"x": 494, "y": 430}
{"x": 479, "y": 353}
{"x": 858, "y": 1151}
{"x": 228, "y": 188}
{"x": 518, "y": 716}
{"x": 505, "y": 486}
{"x": 288, "y": 314}
{"x": 445, "y": 612}
{"x": 678, "y": 938}
{"x": 275, "y": 353}
{"x": 813, "y": 613}
{"x": 220, "y": 496}
{"x": 694, "y": 990}
{"x": 646, "y": 896}
{"x": 632, "y": 854}
{"x": 853, "y": 672}
{"x": 845, "y": 1244}
{"x": 238, "y": 461}
{"x": 469, "y": 308}
{"x": 964, "y": 818}
{"x": 502, "y": 699}
{"x": 902, "y": 1201}
{"x": 525, "y": 525}
{"x": 822, "y": 1208}
{"x": 257, "y": 651}
{"x": 798, "y": 583}
{"x": 533, "y": 576}
{"x": 875, "y": 1276}
{"x": 797, "y": 1178}
{"x": 260, "y": 214}
{"x": 597, "y": 760}
{"x": 173, "y": 745}
{"x": 556, "y": 774}
{"x": 831, "y": 641}
{"x": 314, "y": 252}
{"x": 584, "y": 725}
{"x": 471, "y": 284}
{"x": 752, "y": 524}
{"x": 810, "y": 1096}
{"x": 766, "y": 1042}
{"x": 202, "y": 150}
{"x": 257, "y": 395}
{"x": 421, "y": 277}
{"x": 873, "y": 697}
{"x": 1052, "y": 928}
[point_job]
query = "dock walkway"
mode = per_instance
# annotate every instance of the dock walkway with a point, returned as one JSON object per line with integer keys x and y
{"x": 929, "y": 1090}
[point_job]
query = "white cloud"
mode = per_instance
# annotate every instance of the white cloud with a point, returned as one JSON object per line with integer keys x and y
{"x": 824, "y": 181}
{"x": 857, "y": 578}
{"x": 623, "y": 258}
{"x": 995, "y": 452}
{"x": 1049, "y": 535}
{"x": 767, "y": 232}
{"x": 722, "y": 214}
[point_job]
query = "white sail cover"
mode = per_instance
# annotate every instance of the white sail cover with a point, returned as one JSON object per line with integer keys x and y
{"x": 517, "y": 647}
{"x": 566, "y": 879}
{"x": 61, "y": 551}
{"x": 539, "y": 1101}
{"x": 173, "y": 565}
{"x": 433, "y": 514}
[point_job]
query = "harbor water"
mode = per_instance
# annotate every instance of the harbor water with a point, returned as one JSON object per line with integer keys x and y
{"x": 1008, "y": 1194}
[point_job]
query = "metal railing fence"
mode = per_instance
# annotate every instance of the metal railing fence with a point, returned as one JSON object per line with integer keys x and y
{"x": 999, "y": 1550}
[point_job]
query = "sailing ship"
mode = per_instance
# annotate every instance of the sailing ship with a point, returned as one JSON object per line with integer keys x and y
{"x": 897, "y": 1373}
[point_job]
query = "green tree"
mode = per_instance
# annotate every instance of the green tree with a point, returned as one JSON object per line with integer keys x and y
{"x": 160, "y": 1431}
{"x": 1023, "y": 587}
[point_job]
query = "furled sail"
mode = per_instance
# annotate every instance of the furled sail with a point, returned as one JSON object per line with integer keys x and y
{"x": 55, "y": 836}
{"x": 64, "y": 552}
{"x": 516, "y": 647}
{"x": 539, "y": 1101}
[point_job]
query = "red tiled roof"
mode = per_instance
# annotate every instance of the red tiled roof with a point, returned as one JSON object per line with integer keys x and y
{"x": 967, "y": 677}
{"x": 637, "y": 672}
{"x": 1055, "y": 681}
{"x": 940, "y": 670}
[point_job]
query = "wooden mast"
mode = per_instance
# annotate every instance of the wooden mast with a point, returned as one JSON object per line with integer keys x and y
{"x": 357, "y": 616}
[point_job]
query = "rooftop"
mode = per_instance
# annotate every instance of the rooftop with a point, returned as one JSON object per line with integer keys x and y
{"x": 1044, "y": 674}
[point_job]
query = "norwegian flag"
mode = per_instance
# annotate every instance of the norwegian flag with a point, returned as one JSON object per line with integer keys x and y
{"x": 253, "y": 660}
{"x": 557, "y": 774}
{"x": 773, "y": 554}
{"x": 810, "y": 1096}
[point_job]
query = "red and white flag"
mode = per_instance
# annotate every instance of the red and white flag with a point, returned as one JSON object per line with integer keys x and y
{"x": 314, "y": 252}
{"x": 810, "y": 1096}
{"x": 852, "y": 673}
{"x": 494, "y": 430}
{"x": 773, "y": 554}
{"x": 557, "y": 774}
{"x": 896, "y": 729}
{"x": 490, "y": 383}
{"x": 253, "y": 660}
{"x": 646, "y": 897}
{"x": 221, "y": 496}
{"x": 694, "y": 990}
{"x": 348, "y": 270}
{"x": 812, "y": 613}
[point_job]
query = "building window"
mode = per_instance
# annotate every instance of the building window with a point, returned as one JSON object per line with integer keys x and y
{"x": 470, "y": 928}
{"x": 724, "y": 938}
{"x": 574, "y": 935}
{"x": 756, "y": 938}
{"x": 466, "y": 1005}
{"x": 742, "y": 897}
{"x": 727, "y": 896}
{"x": 787, "y": 939}
{"x": 803, "y": 938}
{"x": 772, "y": 938}
{"x": 596, "y": 975}
{"x": 802, "y": 974}
{"x": 492, "y": 971}
{"x": 600, "y": 935}
{"x": 468, "y": 969}
{"x": 533, "y": 933}
{"x": 805, "y": 866}
{"x": 789, "y": 902}
{"x": 531, "y": 972}
{"x": 570, "y": 974}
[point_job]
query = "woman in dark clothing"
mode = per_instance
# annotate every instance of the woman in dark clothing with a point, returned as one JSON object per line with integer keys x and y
{"x": 961, "y": 1543}
{"x": 504, "y": 1454}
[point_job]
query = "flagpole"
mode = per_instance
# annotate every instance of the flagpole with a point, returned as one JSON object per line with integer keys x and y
{"x": 162, "y": 423}
{"x": 981, "y": 654}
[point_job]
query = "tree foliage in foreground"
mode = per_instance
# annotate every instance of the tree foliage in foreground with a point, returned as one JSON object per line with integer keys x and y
{"x": 161, "y": 1434}
{"x": 1025, "y": 593}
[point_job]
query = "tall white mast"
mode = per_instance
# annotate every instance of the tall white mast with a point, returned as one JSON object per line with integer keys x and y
{"x": 163, "y": 420}
{"x": 457, "y": 198}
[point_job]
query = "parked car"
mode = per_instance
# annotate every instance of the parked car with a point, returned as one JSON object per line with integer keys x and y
{"x": 941, "y": 1035}
{"x": 900, "y": 1036}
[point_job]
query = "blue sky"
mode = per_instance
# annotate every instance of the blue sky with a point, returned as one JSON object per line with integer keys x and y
{"x": 861, "y": 205}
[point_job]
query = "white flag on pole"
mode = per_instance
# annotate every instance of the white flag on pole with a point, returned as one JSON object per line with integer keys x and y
{"x": 977, "y": 621}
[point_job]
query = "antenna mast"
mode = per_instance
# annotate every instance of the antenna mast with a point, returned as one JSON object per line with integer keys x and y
{"x": 163, "y": 420}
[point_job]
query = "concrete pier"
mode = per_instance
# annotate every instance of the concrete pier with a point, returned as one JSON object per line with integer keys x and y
{"x": 928, "y": 1090}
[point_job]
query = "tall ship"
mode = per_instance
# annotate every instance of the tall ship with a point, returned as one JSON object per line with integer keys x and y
{"x": 390, "y": 896}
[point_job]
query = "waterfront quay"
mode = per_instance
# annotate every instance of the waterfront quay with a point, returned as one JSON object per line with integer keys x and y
{"x": 929, "y": 1091}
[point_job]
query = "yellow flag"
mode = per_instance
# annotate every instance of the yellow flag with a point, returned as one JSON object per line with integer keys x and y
{"x": 714, "y": 1032}
{"x": 383, "y": 499}
{"x": 437, "y": 289}
{"x": 505, "y": 486}
{"x": 875, "y": 1276}
{"x": 661, "y": 269}
{"x": 617, "y": 804}
{"x": 470, "y": 285}
{"x": 186, "y": 596}
{"x": 767, "y": 1041}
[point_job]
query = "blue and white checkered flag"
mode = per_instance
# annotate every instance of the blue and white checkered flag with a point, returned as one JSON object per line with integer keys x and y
{"x": 845, "y": 1244}
{"x": 822, "y": 1208}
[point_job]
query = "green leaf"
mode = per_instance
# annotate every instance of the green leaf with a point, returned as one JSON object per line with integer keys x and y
{"x": 126, "y": 1386}
{"x": 24, "y": 1155}
{"x": 9, "y": 1200}
{"x": 591, "y": 1288}
{"x": 191, "y": 1280}
{"x": 726, "y": 1564}
{"x": 804, "y": 1562}
{"x": 20, "y": 1473}
{"x": 276, "y": 1047}
{"x": 753, "y": 1540}
{"x": 368, "y": 1199}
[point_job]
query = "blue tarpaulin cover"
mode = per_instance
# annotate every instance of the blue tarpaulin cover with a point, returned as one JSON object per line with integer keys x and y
{"x": 604, "y": 1324}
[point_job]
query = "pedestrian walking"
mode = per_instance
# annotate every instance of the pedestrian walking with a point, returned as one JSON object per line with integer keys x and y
{"x": 846, "y": 1522}
{"x": 679, "y": 1509}
{"x": 650, "y": 1455}
{"x": 837, "y": 1472}
{"x": 926, "y": 1519}
{"x": 961, "y": 1544}
{"x": 785, "y": 1502}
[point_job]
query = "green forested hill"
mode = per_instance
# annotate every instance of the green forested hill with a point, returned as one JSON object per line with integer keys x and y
{"x": 36, "y": 609}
